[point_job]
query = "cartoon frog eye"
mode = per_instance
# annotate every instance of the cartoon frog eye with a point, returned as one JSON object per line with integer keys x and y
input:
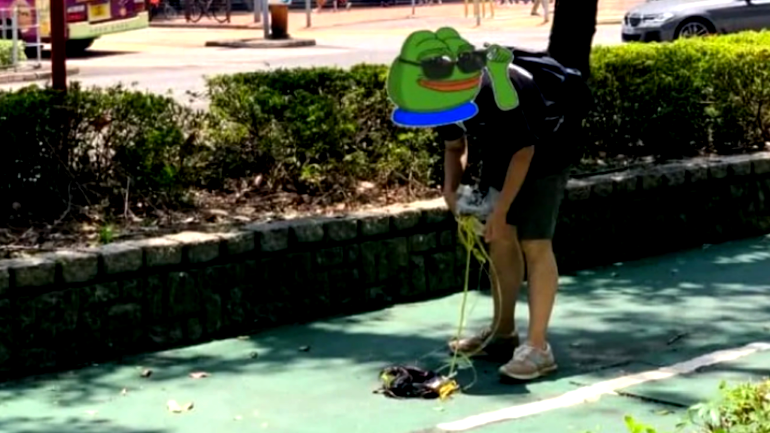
{"x": 437, "y": 68}
{"x": 472, "y": 61}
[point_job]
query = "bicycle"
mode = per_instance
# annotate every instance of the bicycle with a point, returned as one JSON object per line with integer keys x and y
{"x": 216, "y": 9}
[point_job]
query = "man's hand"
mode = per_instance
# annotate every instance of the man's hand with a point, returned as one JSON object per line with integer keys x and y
{"x": 497, "y": 227}
{"x": 499, "y": 57}
{"x": 498, "y": 60}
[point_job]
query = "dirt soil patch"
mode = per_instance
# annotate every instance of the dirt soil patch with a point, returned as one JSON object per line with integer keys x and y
{"x": 220, "y": 211}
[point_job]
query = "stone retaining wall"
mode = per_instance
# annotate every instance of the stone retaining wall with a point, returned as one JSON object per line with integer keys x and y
{"x": 67, "y": 308}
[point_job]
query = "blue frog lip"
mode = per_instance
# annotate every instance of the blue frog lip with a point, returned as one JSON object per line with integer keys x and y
{"x": 413, "y": 119}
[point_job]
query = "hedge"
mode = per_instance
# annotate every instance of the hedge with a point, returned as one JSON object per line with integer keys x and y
{"x": 6, "y": 53}
{"x": 323, "y": 130}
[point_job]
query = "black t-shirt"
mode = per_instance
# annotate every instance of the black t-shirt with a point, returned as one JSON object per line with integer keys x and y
{"x": 500, "y": 134}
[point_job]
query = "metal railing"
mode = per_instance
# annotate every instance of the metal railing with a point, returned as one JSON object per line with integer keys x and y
{"x": 15, "y": 22}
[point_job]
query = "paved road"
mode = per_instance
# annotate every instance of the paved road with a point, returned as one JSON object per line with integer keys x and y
{"x": 609, "y": 323}
{"x": 175, "y": 59}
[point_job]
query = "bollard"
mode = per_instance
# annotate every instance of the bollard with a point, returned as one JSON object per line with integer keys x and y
{"x": 15, "y": 36}
{"x": 279, "y": 19}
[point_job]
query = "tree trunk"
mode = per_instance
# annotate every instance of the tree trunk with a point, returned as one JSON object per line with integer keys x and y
{"x": 572, "y": 33}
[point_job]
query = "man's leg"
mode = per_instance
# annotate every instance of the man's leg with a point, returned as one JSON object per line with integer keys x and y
{"x": 542, "y": 284}
{"x": 507, "y": 277}
{"x": 535, "y": 212}
{"x": 500, "y": 339}
{"x": 535, "y": 4}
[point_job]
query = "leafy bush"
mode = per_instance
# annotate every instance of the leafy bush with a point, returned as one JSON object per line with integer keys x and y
{"x": 744, "y": 408}
{"x": 323, "y": 130}
{"x": 95, "y": 147}
{"x": 316, "y": 129}
{"x": 693, "y": 96}
{"x": 6, "y": 53}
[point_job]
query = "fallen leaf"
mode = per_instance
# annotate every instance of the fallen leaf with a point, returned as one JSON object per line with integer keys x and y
{"x": 253, "y": 355}
{"x": 124, "y": 391}
{"x": 243, "y": 337}
{"x": 92, "y": 412}
{"x": 146, "y": 372}
{"x": 304, "y": 348}
{"x": 174, "y": 407}
{"x": 199, "y": 375}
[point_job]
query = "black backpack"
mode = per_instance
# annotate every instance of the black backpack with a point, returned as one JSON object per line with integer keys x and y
{"x": 567, "y": 98}
{"x": 565, "y": 92}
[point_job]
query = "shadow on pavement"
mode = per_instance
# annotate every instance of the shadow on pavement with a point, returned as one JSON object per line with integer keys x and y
{"x": 645, "y": 314}
{"x": 72, "y": 425}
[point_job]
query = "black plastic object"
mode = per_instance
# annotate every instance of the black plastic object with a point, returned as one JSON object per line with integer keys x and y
{"x": 410, "y": 382}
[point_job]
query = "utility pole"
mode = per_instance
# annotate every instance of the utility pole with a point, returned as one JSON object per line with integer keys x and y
{"x": 572, "y": 33}
{"x": 58, "y": 46}
{"x": 265, "y": 19}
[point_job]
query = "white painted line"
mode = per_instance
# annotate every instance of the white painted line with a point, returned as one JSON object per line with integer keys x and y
{"x": 595, "y": 391}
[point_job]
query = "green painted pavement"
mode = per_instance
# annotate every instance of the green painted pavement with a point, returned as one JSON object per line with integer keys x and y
{"x": 622, "y": 319}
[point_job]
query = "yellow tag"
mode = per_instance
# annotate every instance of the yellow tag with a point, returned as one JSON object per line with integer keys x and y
{"x": 447, "y": 389}
{"x": 99, "y": 12}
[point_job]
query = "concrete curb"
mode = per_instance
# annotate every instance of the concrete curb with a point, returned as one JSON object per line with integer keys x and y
{"x": 252, "y": 26}
{"x": 35, "y": 75}
{"x": 262, "y": 43}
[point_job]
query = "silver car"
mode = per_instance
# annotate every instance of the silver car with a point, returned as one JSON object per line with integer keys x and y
{"x": 666, "y": 20}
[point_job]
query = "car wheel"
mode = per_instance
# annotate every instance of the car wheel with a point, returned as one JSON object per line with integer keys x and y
{"x": 694, "y": 28}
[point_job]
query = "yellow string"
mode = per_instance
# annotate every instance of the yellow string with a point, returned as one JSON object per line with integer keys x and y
{"x": 468, "y": 227}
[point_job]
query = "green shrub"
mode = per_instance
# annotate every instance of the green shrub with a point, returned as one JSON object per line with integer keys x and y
{"x": 681, "y": 99}
{"x": 95, "y": 147}
{"x": 6, "y": 53}
{"x": 323, "y": 130}
{"x": 743, "y": 408}
{"x": 316, "y": 130}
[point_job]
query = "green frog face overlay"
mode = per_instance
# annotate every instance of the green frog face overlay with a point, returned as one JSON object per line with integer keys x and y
{"x": 437, "y": 75}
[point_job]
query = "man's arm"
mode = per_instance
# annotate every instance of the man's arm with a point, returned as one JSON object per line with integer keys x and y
{"x": 517, "y": 171}
{"x": 455, "y": 162}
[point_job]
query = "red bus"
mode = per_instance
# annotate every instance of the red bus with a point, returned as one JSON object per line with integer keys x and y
{"x": 87, "y": 20}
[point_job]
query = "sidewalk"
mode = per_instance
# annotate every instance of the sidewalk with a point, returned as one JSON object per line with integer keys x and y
{"x": 319, "y": 378}
{"x": 610, "y": 12}
{"x": 30, "y": 74}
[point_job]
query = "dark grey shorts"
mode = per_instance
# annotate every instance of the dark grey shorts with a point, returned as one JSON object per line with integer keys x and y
{"x": 535, "y": 209}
